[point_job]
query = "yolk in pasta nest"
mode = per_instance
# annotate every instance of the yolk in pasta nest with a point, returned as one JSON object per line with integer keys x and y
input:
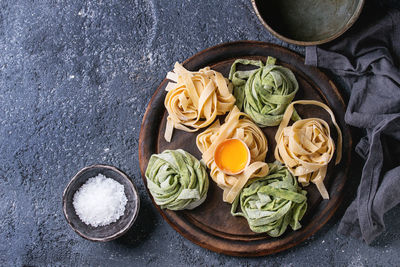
{"x": 232, "y": 156}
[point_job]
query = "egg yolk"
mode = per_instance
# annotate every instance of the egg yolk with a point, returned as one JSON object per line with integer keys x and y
{"x": 231, "y": 156}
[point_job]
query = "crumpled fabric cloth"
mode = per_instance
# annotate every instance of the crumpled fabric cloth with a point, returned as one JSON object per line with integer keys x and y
{"x": 367, "y": 58}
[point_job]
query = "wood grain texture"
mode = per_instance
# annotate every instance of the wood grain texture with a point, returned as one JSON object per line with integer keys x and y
{"x": 211, "y": 225}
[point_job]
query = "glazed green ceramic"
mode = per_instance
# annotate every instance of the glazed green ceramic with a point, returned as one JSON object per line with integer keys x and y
{"x": 307, "y": 22}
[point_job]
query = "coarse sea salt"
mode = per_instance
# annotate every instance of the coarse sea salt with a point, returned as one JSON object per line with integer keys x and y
{"x": 100, "y": 201}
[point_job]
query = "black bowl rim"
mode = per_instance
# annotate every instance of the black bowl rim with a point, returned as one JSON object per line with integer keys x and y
{"x": 132, "y": 187}
{"x": 350, "y": 23}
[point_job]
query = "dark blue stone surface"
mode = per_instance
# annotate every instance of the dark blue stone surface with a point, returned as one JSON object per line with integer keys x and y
{"x": 75, "y": 78}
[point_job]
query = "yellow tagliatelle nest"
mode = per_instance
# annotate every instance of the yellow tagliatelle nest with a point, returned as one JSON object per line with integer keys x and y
{"x": 237, "y": 125}
{"x": 307, "y": 147}
{"x": 194, "y": 99}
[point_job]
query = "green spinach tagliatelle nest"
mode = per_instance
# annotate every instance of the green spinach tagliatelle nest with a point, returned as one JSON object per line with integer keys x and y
{"x": 264, "y": 93}
{"x": 177, "y": 180}
{"x": 273, "y": 202}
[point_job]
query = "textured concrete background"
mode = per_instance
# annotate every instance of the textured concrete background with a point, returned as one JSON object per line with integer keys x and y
{"x": 75, "y": 78}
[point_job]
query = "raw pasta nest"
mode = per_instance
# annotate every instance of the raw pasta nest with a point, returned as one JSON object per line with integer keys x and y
{"x": 237, "y": 125}
{"x": 273, "y": 202}
{"x": 177, "y": 180}
{"x": 265, "y": 92}
{"x": 194, "y": 99}
{"x": 307, "y": 147}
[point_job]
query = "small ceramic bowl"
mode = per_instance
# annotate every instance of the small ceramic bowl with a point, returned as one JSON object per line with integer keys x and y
{"x": 307, "y": 22}
{"x": 226, "y": 171}
{"x": 113, "y": 230}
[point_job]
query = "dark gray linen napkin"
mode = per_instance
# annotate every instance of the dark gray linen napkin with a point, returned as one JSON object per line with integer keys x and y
{"x": 367, "y": 58}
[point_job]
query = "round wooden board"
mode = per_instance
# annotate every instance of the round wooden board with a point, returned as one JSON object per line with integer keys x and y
{"x": 211, "y": 225}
